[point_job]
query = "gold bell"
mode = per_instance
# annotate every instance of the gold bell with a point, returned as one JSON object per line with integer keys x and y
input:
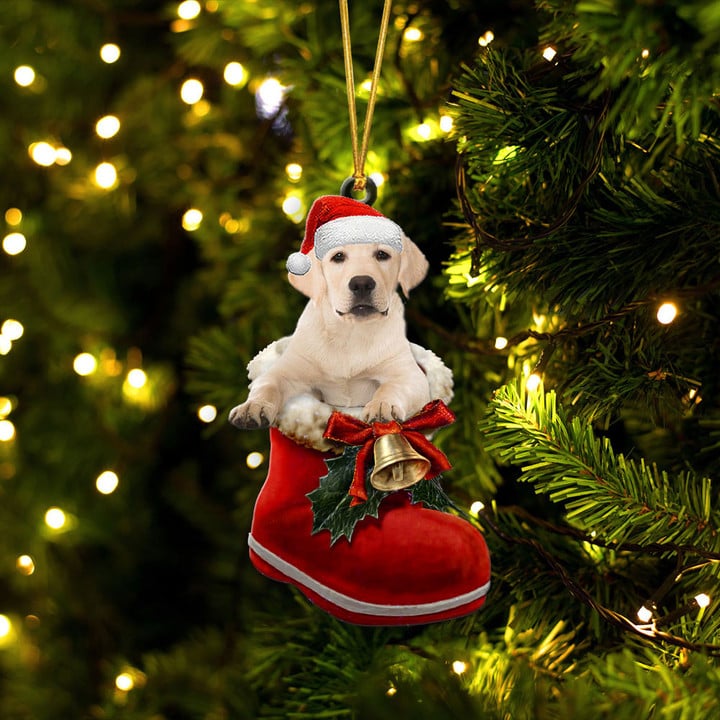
{"x": 397, "y": 465}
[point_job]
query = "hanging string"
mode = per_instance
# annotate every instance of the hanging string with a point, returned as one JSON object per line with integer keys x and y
{"x": 360, "y": 151}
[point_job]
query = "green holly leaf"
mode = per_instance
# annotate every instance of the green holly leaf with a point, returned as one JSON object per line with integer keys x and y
{"x": 331, "y": 502}
{"x": 431, "y": 495}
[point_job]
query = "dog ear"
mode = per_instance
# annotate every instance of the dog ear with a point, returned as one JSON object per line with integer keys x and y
{"x": 312, "y": 283}
{"x": 413, "y": 266}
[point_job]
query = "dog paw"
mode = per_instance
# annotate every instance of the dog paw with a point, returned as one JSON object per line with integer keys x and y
{"x": 383, "y": 411}
{"x": 251, "y": 415}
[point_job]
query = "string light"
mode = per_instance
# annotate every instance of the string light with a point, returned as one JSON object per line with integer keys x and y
{"x": 501, "y": 342}
{"x": 107, "y": 126}
{"x": 269, "y": 97}
{"x": 294, "y": 171}
{"x": 459, "y": 667}
{"x": 292, "y": 205}
{"x": 107, "y": 482}
{"x": 191, "y": 91}
{"x": 235, "y": 74}
{"x": 25, "y": 565}
{"x": 189, "y": 9}
{"x": 105, "y": 175}
{"x": 7, "y": 431}
{"x": 12, "y": 329}
{"x": 13, "y": 216}
{"x": 24, "y": 75}
{"x": 485, "y": 39}
{"x": 192, "y": 219}
{"x": 644, "y": 614}
{"x": 5, "y": 345}
{"x": 254, "y": 460}
{"x": 5, "y": 626}
{"x": 5, "y": 407}
{"x": 378, "y": 178}
{"x": 14, "y": 243}
{"x": 666, "y": 313}
{"x": 413, "y": 34}
{"x": 391, "y": 691}
{"x": 63, "y": 156}
{"x": 702, "y": 600}
{"x": 42, "y": 153}
{"x": 477, "y": 507}
{"x": 533, "y": 382}
{"x": 124, "y": 682}
{"x": 424, "y": 131}
{"x": 55, "y": 518}
{"x": 446, "y": 123}
{"x": 110, "y": 53}
{"x": 207, "y": 413}
{"x": 85, "y": 364}
{"x": 549, "y": 53}
{"x": 137, "y": 378}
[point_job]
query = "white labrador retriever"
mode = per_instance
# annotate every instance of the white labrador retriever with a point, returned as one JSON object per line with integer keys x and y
{"x": 349, "y": 347}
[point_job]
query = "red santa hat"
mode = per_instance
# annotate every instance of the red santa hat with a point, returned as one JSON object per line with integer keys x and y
{"x": 336, "y": 220}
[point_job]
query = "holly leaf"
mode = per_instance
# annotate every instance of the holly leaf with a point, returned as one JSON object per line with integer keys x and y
{"x": 431, "y": 495}
{"x": 331, "y": 502}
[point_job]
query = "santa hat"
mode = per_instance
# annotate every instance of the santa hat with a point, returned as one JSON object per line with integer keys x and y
{"x": 336, "y": 220}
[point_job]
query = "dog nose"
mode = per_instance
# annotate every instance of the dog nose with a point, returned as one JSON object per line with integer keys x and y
{"x": 361, "y": 284}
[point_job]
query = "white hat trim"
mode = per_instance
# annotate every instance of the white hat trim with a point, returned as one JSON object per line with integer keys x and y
{"x": 357, "y": 229}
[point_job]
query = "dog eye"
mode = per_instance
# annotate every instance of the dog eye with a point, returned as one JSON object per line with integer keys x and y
{"x": 338, "y": 257}
{"x": 382, "y": 255}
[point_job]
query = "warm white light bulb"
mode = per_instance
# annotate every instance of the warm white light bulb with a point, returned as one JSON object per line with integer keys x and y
{"x": 43, "y": 153}
{"x": 501, "y": 342}
{"x": 137, "y": 378}
{"x": 7, "y": 431}
{"x": 191, "y": 91}
{"x": 644, "y": 614}
{"x": 55, "y": 518}
{"x": 124, "y": 681}
{"x": 207, "y": 413}
{"x": 107, "y": 482}
{"x": 459, "y": 667}
{"x": 446, "y": 123}
{"x": 24, "y": 75}
{"x": 189, "y": 9}
{"x": 702, "y": 600}
{"x": 413, "y": 34}
{"x": 549, "y": 53}
{"x": 25, "y": 565}
{"x": 13, "y": 216}
{"x": 110, "y": 53}
{"x": 294, "y": 171}
{"x": 107, "y": 126}
{"x": 235, "y": 74}
{"x": 14, "y": 243}
{"x": 477, "y": 507}
{"x": 105, "y": 175}
{"x": 12, "y": 329}
{"x": 254, "y": 460}
{"x": 5, "y": 626}
{"x": 533, "y": 382}
{"x": 666, "y": 313}
{"x": 291, "y": 205}
{"x": 85, "y": 364}
{"x": 192, "y": 219}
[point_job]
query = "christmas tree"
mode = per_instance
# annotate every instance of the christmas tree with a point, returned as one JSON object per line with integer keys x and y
{"x": 558, "y": 164}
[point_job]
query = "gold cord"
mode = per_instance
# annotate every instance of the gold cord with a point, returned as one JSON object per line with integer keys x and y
{"x": 360, "y": 152}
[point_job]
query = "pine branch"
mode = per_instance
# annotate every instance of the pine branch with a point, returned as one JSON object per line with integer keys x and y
{"x": 620, "y": 499}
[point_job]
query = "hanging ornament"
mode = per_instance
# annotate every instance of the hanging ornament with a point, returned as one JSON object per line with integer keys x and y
{"x": 352, "y": 512}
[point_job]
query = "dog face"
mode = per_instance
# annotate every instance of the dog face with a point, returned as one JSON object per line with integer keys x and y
{"x": 358, "y": 280}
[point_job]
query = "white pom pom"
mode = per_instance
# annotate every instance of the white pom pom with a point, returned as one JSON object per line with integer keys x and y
{"x": 298, "y": 263}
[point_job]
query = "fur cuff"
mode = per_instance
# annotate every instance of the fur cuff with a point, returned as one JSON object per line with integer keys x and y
{"x": 304, "y": 417}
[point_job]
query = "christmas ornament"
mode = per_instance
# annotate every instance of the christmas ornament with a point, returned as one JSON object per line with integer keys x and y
{"x": 352, "y": 512}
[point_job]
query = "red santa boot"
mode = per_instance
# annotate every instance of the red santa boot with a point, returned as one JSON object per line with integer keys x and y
{"x": 409, "y": 565}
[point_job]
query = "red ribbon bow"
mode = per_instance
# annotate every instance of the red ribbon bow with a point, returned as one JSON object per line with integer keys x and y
{"x": 351, "y": 431}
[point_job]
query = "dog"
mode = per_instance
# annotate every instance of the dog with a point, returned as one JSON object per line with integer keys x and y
{"x": 349, "y": 348}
